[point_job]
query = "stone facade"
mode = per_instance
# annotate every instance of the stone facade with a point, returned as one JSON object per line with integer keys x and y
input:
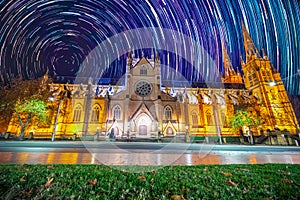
{"x": 143, "y": 104}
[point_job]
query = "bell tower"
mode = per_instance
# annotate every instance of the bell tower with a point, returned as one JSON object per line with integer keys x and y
{"x": 266, "y": 86}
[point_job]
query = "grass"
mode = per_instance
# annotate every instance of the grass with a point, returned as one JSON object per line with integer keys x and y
{"x": 264, "y": 181}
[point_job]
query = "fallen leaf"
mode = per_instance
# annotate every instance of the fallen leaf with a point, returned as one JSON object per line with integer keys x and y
{"x": 26, "y": 169}
{"x": 48, "y": 182}
{"x": 93, "y": 182}
{"x": 50, "y": 167}
{"x": 288, "y": 181}
{"x": 231, "y": 183}
{"x": 242, "y": 169}
{"x": 185, "y": 190}
{"x": 153, "y": 171}
{"x": 142, "y": 178}
{"x": 245, "y": 191}
{"x": 29, "y": 193}
{"x": 268, "y": 198}
{"x": 22, "y": 179}
{"x": 177, "y": 197}
{"x": 227, "y": 174}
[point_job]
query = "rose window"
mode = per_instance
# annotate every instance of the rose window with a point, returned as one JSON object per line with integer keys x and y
{"x": 143, "y": 88}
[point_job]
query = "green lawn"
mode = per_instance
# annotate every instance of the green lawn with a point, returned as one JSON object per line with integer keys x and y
{"x": 268, "y": 181}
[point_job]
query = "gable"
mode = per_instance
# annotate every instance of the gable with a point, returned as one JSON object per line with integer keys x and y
{"x": 142, "y": 63}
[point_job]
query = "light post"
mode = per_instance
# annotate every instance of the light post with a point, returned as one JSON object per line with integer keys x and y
{"x": 56, "y": 121}
{"x": 216, "y": 118}
{"x": 187, "y": 139}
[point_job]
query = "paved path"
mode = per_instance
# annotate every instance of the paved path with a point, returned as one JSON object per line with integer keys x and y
{"x": 143, "y": 153}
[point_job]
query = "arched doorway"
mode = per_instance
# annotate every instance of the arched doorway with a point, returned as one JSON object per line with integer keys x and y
{"x": 144, "y": 123}
{"x": 169, "y": 131}
{"x": 143, "y": 130}
{"x": 116, "y": 131}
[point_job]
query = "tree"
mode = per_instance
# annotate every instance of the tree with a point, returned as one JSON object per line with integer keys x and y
{"x": 242, "y": 118}
{"x": 28, "y": 110}
{"x": 19, "y": 91}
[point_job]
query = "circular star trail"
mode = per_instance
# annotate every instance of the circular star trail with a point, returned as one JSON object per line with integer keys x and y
{"x": 36, "y": 35}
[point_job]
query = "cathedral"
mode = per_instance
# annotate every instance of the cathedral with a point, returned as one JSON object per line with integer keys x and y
{"x": 145, "y": 106}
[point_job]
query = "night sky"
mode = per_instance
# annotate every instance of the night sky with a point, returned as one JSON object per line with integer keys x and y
{"x": 66, "y": 36}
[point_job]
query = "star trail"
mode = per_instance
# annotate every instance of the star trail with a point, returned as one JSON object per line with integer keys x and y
{"x": 59, "y": 35}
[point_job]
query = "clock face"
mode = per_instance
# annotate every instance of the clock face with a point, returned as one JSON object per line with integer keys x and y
{"x": 143, "y": 88}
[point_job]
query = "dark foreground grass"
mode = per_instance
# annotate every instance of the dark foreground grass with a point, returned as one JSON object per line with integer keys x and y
{"x": 268, "y": 181}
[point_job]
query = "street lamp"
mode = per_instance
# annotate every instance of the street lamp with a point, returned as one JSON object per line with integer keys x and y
{"x": 56, "y": 118}
{"x": 187, "y": 133}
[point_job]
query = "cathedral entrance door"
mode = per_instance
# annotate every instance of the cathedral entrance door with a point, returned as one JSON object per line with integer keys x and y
{"x": 169, "y": 131}
{"x": 143, "y": 130}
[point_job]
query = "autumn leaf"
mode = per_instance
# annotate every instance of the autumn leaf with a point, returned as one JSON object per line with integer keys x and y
{"x": 177, "y": 197}
{"x": 153, "y": 171}
{"x": 22, "y": 179}
{"x": 241, "y": 169}
{"x": 231, "y": 183}
{"x": 93, "y": 182}
{"x": 245, "y": 191}
{"x": 185, "y": 190}
{"x": 50, "y": 167}
{"x": 142, "y": 178}
{"x": 288, "y": 181}
{"x": 227, "y": 174}
{"x": 49, "y": 181}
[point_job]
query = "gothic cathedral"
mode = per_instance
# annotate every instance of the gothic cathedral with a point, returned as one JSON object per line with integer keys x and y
{"x": 145, "y": 106}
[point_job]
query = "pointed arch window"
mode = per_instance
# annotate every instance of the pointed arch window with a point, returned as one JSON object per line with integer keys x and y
{"x": 77, "y": 113}
{"x": 224, "y": 120}
{"x": 195, "y": 119}
{"x": 168, "y": 112}
{"x": 95, "y": 114}
{"x": 264, "y": 74}
{"x": 143, "y": 71}
{"x": 209, "y": 118}
{"x": 252, "y": 77}
{"x": 117, "y": 112}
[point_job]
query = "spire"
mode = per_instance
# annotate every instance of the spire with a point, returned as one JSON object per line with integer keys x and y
{"x": 238, "y": 71}
{"x": 242, "y": 60}
{"x": 230, "y": 76}
{"x": 250, "y": 48}
{"x": 228, "y": 69}
{"x": 129, "y": 60}
{"x": 152, "y": 54}
{"x": 157, "y": 56}
{"x": 46, "y": 75}
{"x": 264, "y": 53}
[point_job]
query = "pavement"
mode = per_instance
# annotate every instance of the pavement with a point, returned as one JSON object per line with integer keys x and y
{"x": 146, "y": 146}
{"x": 142, "y": 153}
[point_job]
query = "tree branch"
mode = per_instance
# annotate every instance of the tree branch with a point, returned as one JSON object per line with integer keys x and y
{"x": 20, "y": 119}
